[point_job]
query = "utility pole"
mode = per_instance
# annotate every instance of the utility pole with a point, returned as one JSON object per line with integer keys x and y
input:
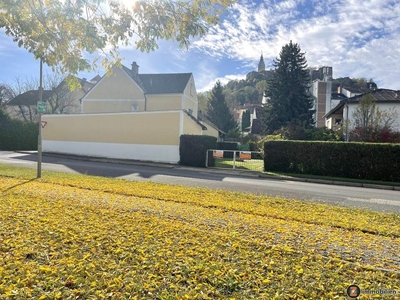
{"x": 39, "y": 162}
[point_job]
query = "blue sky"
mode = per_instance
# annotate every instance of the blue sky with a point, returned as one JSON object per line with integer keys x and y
{"x": 358, "y": 38}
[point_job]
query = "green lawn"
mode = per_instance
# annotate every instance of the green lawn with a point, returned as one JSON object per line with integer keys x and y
{"x": 251, "y": 164}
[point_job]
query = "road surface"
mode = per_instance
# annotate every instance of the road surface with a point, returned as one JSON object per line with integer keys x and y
{"x": 374, "y": 199}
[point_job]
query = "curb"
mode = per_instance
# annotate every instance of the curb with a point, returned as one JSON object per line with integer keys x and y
{"x": 223, "y": 171}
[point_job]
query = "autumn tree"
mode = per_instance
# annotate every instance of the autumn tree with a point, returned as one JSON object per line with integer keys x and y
{"x": 60, "y": 99}
{"x": 6, "y": 94}
{"x": 218, "y": 111}
{"x": 202, "y": 100}
{"x": 371, "y": 124}
{"x": 290, "y": 102}
{"x": 63, "y": 32}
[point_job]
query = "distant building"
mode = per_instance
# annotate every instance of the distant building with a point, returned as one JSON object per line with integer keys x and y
{"x": 350, "y": 91}
{"x": 342, "y": 113}
{"x": 255, "y": 113}
{"x": 321, "y": 90}
{"x": 261, "y": 64}
{"x": 322, "y": 73}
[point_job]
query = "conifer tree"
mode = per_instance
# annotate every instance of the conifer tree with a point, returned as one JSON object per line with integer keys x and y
{"x": 290, "y": 101}
{"x": 246, "y": 120}
{"x": 218, "y": 111}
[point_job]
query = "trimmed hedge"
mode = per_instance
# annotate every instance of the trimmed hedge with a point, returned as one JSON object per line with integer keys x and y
{"x": 227, "y": 146}
{"x": 16, "y": 134}
{"x": 193, "y": 149}
{"x": 337, "y": 159}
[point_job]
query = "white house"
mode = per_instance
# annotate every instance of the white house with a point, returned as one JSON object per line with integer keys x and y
{"x": 385, "y": 99}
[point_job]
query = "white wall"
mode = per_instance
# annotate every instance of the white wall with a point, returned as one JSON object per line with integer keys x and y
{"x": 157, "y": 153}
{"x": 389, "y": 107}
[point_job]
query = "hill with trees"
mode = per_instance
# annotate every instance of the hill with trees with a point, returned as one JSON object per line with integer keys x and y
{"x": 252, "y": 88}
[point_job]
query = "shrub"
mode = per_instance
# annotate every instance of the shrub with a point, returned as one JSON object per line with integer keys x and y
{"x": 227, "y": 146}
{"x": 374, "y": 135}
{"x": 193, "y": 149}
{"x": 16, "y": 134}
{"x": 337, "y": 159}
{"x": 297, "y": 132}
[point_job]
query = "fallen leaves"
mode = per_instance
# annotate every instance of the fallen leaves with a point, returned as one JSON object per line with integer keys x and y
{"x": 82, "y": 237}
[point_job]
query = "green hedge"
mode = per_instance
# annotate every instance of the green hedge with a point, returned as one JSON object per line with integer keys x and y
{"x": 16, "y": 134}
{"x": 337, "y": 159}
{"x": 193, "y": 149}
{"x": 227, "y": 146}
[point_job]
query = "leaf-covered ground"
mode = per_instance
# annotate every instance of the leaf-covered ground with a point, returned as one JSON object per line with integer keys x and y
{"x": 80, "y": 237}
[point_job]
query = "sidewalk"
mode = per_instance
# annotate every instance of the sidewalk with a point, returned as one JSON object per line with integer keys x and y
{"x": 231, "y": 172}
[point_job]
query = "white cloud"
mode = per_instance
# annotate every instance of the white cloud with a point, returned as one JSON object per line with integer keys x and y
{"x": 358, "y": 38}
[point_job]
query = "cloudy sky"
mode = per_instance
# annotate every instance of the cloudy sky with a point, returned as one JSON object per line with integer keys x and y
{"x": 358, "y": 38}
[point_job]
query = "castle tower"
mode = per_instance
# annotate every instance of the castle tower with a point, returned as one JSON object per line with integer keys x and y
{"x": 261, "y": 64}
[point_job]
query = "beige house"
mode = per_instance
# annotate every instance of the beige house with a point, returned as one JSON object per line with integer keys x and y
{"x": 128, "y": 115}
{"x": 125, "y": 90}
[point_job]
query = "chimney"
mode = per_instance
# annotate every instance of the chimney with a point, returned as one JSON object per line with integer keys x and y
{"x": 339, "y": 89}
{"x": 135, "y": 68}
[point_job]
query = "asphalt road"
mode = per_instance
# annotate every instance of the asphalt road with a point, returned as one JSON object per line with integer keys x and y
{"x": 374, "y": 199}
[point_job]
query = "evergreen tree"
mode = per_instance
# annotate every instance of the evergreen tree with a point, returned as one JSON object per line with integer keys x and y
{"x": 218, "y": 111}
{"x": 290, "y": 102}
{"x": 245, "y": 120}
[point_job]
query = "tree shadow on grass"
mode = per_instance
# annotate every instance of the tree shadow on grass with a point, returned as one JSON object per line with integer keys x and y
{"x": 119, "y": 168}
{"x": 15, "y": 185}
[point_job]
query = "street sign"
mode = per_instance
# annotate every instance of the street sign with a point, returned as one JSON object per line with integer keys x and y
{"x": 41, "y": 106}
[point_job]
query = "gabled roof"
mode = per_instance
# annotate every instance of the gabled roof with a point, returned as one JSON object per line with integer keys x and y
{"x": 194, "y": 119}
{"x": 95, "y": 79}
{"x": 353, "y": 89}
{"x": 379, "y": 96}
{"x": 338, "y": 96}
{"x": 86, "y": 86}
{"x": 30, "y": 98}
{"x": 204, "y": 119}
{"x": 173, "y": 83}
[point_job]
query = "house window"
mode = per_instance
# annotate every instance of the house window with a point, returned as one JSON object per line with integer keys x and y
{"x": 190, "y": 111}
{"x": 135, "y": 107}
{"x": 191, "y": 89}
{"x": 338, "y": 121}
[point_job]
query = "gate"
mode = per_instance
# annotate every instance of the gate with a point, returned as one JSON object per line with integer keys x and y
{"x": 235, "y": 159}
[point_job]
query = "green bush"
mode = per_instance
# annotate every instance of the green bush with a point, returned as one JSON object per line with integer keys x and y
{"x": 16, "y": 134}
{"x": 336, "y": 159}
{"x": 227, "y": 146}
{"x": 297, "y": 132}
{"x": 193, "y": 149}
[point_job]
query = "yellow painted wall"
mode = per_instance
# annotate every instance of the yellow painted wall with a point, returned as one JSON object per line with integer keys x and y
{"x": 210, "y": 130}
{"x": 129, "y": 128}
{"x": 111, "y": 106}
{"x": 190, "y": 126}
{"x": 163, "y": 102}
{"x": 188, "y": 104}
{"x": 118, "y": 85}
{"x": 190, "y": 97}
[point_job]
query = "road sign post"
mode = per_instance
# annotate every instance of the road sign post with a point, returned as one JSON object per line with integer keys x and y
{"x": 41, "y": 106}
{"x": 40, "y": 110}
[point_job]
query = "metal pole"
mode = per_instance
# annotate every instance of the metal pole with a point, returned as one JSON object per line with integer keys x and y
{"x": 39, "y": 162}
